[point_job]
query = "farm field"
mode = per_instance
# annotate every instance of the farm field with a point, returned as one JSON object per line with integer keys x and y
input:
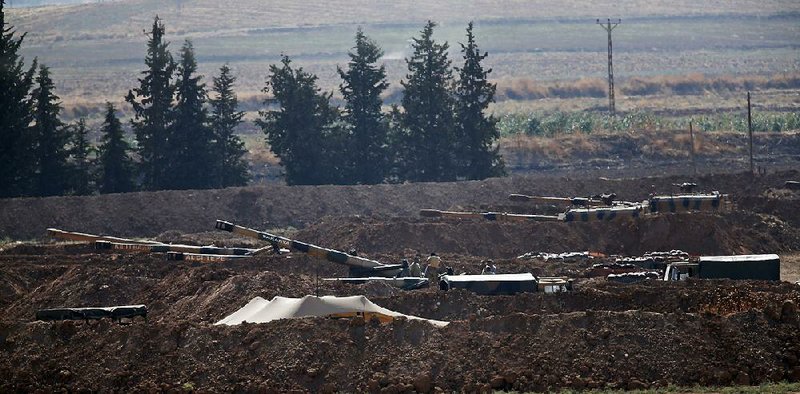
{"x": 100, "y": 60}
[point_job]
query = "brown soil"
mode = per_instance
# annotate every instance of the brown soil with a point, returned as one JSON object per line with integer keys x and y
{"x": 602, "y": 334}
{"x": 151, "y": 213}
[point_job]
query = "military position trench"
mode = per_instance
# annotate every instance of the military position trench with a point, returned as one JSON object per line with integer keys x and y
{"x": 601, "y": 335}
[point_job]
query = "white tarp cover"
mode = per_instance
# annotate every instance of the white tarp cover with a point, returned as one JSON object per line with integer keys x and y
{"x": 259, "y": 310}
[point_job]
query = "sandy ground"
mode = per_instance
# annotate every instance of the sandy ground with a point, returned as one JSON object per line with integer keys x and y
{"x": 790, "y": 267}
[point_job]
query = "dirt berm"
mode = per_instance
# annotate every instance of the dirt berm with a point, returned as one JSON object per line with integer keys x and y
{"x": 601, "y": 335}
{"x": 150, "y": 213}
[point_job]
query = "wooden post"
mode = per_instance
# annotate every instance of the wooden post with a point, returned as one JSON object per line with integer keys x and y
{"x": 691, "y": 148}
{"x": 750, "y": 131}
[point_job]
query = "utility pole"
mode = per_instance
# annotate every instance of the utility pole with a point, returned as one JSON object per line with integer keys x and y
{"x": 750, "y": 132}
{"x": 691, "y": 149}
{"x": 608, "y": 26}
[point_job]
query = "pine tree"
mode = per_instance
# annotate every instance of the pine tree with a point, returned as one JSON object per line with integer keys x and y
{"x": 16, "y": 114}
{"x": 428, "y": 112}
{"x": 81, "y": 163}
{"x": 191, "y": 157}
{"x": 304, "y": 132}
{"x": 153, "y": 115}
{"x": 52, "y": 138}
{"x": 116, "y": 166}
{"x": 363, "y": 83}
{"x": 476, "y": 132}
{"x": 229, "y": 149}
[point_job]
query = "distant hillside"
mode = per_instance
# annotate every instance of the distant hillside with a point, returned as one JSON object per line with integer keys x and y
{"x": 40, "y": 3}
{"x": 220, "y": 17}
{"x": 96, "y": 50}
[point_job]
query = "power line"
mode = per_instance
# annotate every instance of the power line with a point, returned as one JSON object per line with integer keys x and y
{"x": 608, "y": 27}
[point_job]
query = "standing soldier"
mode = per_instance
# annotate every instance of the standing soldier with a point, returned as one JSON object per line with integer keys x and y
{"x": 415, "y": 270}
{"x": 432, "y": 270}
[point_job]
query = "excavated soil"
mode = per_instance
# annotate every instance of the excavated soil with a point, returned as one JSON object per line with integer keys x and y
{"x": 600, "y": 335}
{"x": 148, "y": 214}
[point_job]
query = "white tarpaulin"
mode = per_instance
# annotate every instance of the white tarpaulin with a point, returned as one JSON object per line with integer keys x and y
{"x": 259, "y": 310}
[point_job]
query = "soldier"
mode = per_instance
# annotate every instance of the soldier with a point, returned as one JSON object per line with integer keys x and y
{"x": 414, "y": 270}
{"x": 489, "y": 269}
{"x": 432, "y": 270}
{"x": 405, "y": 269}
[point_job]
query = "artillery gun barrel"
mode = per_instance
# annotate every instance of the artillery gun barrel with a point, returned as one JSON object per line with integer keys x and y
{"x": 491, "y": 216}
{"x": 164, "y": 248}
{"x": 331, "y": 255}
{"x": 83, "y": 237}
{"x": 207, "y": 258}
{"x": 578, "y": 201}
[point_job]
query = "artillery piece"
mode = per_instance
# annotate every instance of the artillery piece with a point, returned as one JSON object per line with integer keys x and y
{"x": 575, "y": 201}
{"x": 84, "y": 237}
{"x": 174, "y": 252}
{"x": 572, "y": 215}
{"x": 359, "y": 266}
{"x": 166, "y": 248}
{"x": 491, "y": 216}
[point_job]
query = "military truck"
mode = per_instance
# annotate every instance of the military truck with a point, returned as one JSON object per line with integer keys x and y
{"x": 755, "y": 266}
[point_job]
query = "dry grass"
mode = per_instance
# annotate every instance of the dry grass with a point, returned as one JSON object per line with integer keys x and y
{"x": 528, "y": 89}
{"x": 674, "y": 85}
{"x": 98, "y": 48}
{"x": 696, "y": 83}
{"x": 258, "y": 153}
{"x": 566, "y": 147}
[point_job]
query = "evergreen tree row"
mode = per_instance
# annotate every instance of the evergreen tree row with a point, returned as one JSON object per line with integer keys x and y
{"x": 179, "y": 144}
{"x": 441, "y": 132}
{"x": 185, "y": 139}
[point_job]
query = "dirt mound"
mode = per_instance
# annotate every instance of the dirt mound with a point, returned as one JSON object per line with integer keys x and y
{"x": 734, "y": 233}
{"x": 187, "y": 291}
{"x": 601, "y": 335}
{"x": 632, "y": 349}
{"x": 192, "y": 211}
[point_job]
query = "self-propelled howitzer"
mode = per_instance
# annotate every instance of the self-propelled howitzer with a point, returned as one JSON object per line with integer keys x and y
{"x": 359, "y": 266}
